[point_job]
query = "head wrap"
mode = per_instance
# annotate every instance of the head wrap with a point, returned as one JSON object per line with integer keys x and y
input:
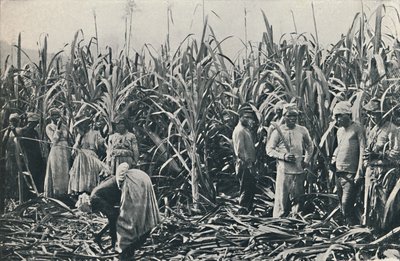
{"x": 342, "y": 107}
{"x": 120, "y": 173}
{"x": 290, "y": 107}
{"x": 31, "y": 116}
{"x": 13, "y": 116}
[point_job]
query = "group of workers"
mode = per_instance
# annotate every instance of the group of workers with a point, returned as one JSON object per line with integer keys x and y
{"x": 363, "y": 156}
{"x": 125, "y": 194}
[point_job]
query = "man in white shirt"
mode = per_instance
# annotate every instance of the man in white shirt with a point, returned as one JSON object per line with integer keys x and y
{"x": 292, "y": 146}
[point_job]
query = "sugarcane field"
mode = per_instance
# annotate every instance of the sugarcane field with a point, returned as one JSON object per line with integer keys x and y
{"x": 200, "y": 130}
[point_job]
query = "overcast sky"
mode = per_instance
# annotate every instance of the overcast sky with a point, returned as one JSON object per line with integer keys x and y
{"x": 60, "y": 19}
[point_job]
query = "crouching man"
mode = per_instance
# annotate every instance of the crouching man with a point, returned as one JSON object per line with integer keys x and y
{"x": 138, "y": 213}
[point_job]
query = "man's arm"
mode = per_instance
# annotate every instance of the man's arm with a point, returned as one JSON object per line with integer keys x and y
{"x": 272, "y": 145}
{"x": 239, "y": 144}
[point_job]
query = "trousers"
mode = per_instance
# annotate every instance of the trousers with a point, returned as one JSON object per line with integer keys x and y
{"x": 346, "y": 191}
{"x": 247, "y": 182}
{"x": 289, "y": 188}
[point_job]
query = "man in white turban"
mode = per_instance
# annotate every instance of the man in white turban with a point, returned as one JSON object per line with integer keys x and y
{"x": 292, "y": 146}
{"x": 348, "y": 158}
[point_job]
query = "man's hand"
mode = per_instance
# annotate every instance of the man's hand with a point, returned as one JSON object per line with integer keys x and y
{"x": 358, "y": 177}
{"x": 289, "y": 157}
{"x": 305, "y": 164}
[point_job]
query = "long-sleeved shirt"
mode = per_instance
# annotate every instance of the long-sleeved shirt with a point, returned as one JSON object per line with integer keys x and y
{"x": 300, "y": 144}
{"x": 351, "y": 145}
{"x": 243, "y": 144}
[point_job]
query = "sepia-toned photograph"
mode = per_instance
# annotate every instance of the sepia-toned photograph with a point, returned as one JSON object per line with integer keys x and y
{"x": 200, "y": 130}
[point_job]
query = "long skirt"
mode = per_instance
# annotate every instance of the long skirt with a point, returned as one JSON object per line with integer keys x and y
{"x": 84, "y": 173}
{"x": 139, "y": 212}
{"x": 117, "y": 160}
{"x": 57, "y": 171}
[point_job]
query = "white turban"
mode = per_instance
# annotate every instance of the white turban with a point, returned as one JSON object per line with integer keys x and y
{"x": 342, "y": 107}
{"x": 290, "y": 107}
{"x": 120, "y": 173}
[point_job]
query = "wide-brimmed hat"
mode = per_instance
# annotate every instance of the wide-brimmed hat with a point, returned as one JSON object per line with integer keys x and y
{"x": 374, "y": 105}
{"x": 31, "y": 117}
{"x": 342, "y": 107}
{"x": 290, "y": 107}
{"x": 13, "y": 116}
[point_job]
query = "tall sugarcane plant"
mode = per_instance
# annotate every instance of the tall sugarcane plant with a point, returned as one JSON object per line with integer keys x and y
{"x": 177, "y": 98}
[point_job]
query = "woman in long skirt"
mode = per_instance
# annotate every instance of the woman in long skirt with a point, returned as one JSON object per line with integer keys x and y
{"x": 84, "y": 173}
{"x": 10, "y": 178}
{"x": 57, "y": 171}
{"x": 122, "y": 146}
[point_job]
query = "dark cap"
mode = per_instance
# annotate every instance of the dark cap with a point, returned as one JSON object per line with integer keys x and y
{"x": 245, "y": 109}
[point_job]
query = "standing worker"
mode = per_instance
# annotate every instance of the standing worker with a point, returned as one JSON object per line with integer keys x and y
{"x": 29, "y": 141}
{"x": 122, "y": 146}
{"x": 84, "y": 173}
{"x": 57, "y": 171}
{"x": 10, "y": 178}
{"x": 245, "y": 152}
{"x": 287, "y": 144}
{"x": 348, "y": 159}
{"x": 380, "y": 156}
